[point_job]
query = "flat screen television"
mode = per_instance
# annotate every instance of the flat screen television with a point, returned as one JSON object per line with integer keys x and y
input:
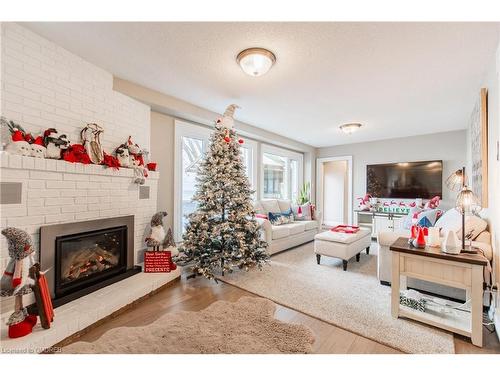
{"x": 409, "y": 180}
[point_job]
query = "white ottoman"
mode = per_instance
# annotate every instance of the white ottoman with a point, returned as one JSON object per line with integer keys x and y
{"x": 342, "y": 245}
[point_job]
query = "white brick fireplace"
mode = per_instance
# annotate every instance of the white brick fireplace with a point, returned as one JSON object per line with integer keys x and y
{"x": 44, "y": 86}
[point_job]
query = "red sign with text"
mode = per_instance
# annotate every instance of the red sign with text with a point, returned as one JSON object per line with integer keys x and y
{"x": 157, "y": 261}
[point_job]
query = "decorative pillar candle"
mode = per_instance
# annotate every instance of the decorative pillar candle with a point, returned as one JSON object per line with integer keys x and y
{"x": 433, "y": 238}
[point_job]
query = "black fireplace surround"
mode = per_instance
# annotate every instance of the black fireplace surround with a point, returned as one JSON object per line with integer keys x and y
{"x": 85, "y": 256}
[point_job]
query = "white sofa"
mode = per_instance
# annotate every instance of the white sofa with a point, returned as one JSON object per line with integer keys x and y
{"x": 286, "y": 236}
{"x": 384, "y": 263}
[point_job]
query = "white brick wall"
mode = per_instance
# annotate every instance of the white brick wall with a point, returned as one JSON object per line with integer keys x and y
{"x": 44, "y": 85}
{"x": 55, "y": 193}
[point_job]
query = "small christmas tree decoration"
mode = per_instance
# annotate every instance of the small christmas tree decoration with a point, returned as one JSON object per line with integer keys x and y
{"x": 222, "y": 234}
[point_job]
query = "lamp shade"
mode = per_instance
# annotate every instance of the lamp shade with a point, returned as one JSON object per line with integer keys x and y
{"x": 467, "y": 202}
{"x": 456, "y": 180}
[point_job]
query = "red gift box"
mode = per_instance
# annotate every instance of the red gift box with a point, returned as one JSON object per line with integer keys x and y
{"x": 151, "y": 167}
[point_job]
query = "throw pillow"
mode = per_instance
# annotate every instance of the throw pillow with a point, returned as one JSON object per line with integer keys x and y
{"x": 279, "y": 218}
{"x": 422, "y": 217}
{"x": 474, "y": 226}
{"x": 452, "y": 220}
{"x": 306, "y": 212}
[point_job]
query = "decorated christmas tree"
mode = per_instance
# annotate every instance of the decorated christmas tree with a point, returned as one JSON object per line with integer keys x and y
{"x": 222, "y": 234}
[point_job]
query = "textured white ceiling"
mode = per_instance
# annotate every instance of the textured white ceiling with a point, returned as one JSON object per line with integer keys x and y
{"x": 398, "y": 79}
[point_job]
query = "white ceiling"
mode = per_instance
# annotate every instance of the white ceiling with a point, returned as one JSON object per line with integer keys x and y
{"x": 397, "y": 79}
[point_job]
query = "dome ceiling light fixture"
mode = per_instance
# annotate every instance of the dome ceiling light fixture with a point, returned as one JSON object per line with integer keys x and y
{"x": 256, "y": 61}
{"x": 350, "y": 128}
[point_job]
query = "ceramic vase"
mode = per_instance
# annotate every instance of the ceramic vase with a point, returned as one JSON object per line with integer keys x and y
{"x": 451, "y": 244}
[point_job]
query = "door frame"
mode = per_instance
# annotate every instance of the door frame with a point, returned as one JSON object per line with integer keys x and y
{"x": 319, "y": 184}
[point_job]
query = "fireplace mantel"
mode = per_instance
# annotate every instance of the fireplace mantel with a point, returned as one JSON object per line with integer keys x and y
{"x": 9, "y": 161}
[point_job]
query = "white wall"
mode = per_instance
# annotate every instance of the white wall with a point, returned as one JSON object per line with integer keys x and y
{"x": 44, "y": 86}
{"x": 448, "y": 146}
{"x": 335, "y": 192}
{"x": 492, "y": 212}
{"x": 162, "y": 152}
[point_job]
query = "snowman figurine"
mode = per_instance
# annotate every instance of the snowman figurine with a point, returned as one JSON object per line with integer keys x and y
{"x": 18, "y": 145}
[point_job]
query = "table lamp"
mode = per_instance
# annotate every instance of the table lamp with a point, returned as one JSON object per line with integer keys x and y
{"x": 467, "y": 202}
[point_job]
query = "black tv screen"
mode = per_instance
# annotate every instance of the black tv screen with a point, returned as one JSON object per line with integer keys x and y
{"x": 409, "y": 180}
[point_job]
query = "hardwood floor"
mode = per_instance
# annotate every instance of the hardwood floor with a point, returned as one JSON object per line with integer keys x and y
{"x": 197, "y": 294}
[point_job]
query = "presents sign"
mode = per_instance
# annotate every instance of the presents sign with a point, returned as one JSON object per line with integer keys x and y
{"x": 157, "y": 261}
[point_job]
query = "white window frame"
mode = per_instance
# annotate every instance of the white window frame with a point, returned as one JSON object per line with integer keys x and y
{"x": 268, "y": 149}
{"x": 186, "y": 129}
{"x": 253, "y": 171}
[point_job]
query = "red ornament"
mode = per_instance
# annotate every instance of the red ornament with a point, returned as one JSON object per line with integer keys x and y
{"x": 414, "y": 231}
{"x": 241, "y": 141}
{"x": 420, "y": 241}
{"x": 227, "y": 139}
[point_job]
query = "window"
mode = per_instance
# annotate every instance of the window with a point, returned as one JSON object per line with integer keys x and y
{"x": 192, "y": 154}
{"x": 249, "y": 157}
{"x": 191, "y": 143}
{"x": 281, "y": 173}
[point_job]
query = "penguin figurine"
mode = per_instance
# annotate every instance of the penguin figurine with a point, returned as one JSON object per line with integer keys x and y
{"x": 16, "y": 280}
{"x": 157, "y": 234}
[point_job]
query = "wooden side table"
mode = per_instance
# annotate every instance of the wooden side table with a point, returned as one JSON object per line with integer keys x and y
{"x": 464, "y": 271}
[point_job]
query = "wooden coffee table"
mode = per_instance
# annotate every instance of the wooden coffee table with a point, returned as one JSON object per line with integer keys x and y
{"x": 463, "y": 271}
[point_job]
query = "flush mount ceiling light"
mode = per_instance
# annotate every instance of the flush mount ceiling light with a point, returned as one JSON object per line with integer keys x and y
{"x": 256, "y": 61}
{"x": 350, "y": 128}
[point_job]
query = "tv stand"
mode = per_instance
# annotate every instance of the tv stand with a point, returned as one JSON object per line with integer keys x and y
{"x": 379, "y": 221}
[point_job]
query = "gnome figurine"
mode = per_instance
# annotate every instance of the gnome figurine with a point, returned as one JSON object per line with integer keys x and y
{"x": 16, "y": 280}
{"x": 227, "y": 120}
{"x": 157, "y": 233}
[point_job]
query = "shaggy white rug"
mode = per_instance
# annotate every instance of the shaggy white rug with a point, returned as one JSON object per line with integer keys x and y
{"x": 245, "y": 326}
{"x": 352, "y": 299}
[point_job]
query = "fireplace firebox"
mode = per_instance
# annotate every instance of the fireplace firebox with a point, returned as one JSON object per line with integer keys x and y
{"x": 85, "y": 256}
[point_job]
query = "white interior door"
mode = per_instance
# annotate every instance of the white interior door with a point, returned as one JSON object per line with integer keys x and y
{"x": 334, "y": 189}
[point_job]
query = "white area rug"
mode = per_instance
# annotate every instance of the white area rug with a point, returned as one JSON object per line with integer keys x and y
{"x": 353, "y": 300}
{"x": 247, "y": 326}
